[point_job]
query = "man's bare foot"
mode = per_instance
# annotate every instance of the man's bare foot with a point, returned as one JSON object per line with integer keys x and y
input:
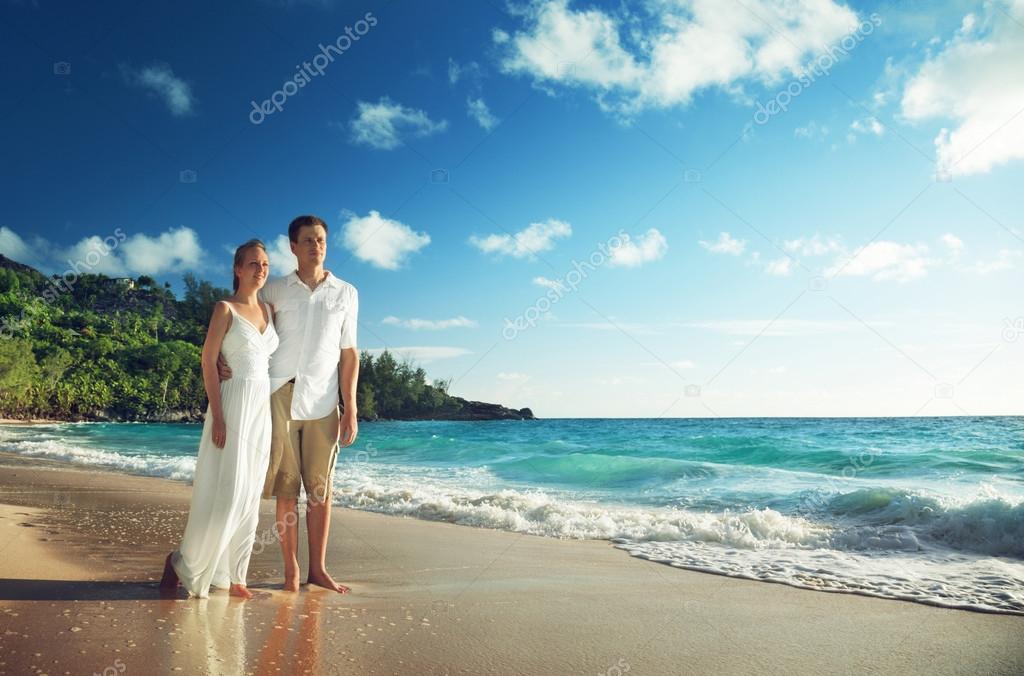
{"x": 291, "y": 582}
{"x": 170, "y": 580}
{"x": 323, "y": 579}
{"x": 240, "y": 590}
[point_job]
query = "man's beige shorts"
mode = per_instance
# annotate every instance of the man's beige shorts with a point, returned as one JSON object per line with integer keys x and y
{"x": 305, "y": 449}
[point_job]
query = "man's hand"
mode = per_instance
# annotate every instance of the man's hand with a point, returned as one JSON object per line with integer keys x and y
{"x": 348, "y": 428}
{"x": 223, "y": 370}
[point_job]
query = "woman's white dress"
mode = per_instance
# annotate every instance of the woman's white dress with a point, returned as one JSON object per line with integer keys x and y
{"x": 228, "y": 481}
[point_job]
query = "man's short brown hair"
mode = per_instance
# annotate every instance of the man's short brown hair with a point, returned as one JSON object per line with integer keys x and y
{"x": 302, "y": 222}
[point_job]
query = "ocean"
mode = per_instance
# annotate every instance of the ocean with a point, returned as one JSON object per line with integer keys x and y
{"x": 923, "y": 509}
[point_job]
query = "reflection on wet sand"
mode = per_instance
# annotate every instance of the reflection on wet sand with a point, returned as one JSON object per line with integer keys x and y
{"x": 209, "y": 636}
{"x": 303, "y": 657}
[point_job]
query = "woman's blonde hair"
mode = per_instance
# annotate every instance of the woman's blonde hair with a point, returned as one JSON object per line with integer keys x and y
{"x": 240, "y": 258}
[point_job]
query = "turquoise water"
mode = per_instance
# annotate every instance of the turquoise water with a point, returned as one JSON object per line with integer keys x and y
{"x": 927, "y": 509}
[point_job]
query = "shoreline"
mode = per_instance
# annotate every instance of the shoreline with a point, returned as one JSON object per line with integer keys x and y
{"x": 985, "y": 587}
{"x": 199, "y": 419}
{"x": 85, "y": 548}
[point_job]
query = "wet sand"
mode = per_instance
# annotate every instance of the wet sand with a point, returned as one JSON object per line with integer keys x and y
{"x": 81, "y": 552}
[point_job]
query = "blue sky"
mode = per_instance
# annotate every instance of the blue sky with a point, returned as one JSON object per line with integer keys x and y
{"x": 803, "y": 211}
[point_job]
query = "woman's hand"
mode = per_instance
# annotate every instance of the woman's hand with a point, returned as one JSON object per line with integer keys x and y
{"x": 220, "y": 432}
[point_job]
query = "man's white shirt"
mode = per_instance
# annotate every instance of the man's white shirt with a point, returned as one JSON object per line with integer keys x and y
{"x": 313, "y": 327}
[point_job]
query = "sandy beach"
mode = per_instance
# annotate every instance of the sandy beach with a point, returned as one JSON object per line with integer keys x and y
{"x": 82, "y": 552}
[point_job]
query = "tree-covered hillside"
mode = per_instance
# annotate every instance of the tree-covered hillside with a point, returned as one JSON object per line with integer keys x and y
{"x": 99, "y": 348}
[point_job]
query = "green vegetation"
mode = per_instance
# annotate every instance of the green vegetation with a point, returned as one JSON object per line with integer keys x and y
{"x": 96, "y": 348}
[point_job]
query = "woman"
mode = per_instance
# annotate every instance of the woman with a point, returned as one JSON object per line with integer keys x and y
{"x": 234, "y": 450}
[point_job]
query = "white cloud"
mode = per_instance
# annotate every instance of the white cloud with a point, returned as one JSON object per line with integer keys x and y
{"x": 422, "y": 353}
{"x": 381, "y": 241}
{"x": 953, "y": 243}
{"x": 514, "y": 376}
{"x": 1006, "y": 259}
{"x": 572, "y": 47}
{"x": 726, "y": 244}
{"x": 811, "y": 131}
{"x": 34, "y": 253}
{"x": 812, "y": 246}
{"x": 282, "y": 260}
{"x": 160, "y": 80}
{"x": 533, "y": 239}
{"x": 880, "y": 261}
{"x": 430, "y": 324}
{"x": 553, "y": 284}
{"x": 478, "y": 110}
{"x": 644, "y": 248}
{"x": 884, "y": 260}
{"x": 91, "y": 252}
{"x": 117, "y": 253}
{"x": 867, "y": 125}
{"x": 677, "y": 51}
{"x": 172, "y": 251}
{"x": 779, "y": 267}
{"x": 463, "y": 71}
{"x": 382, "y": 125}
{"x": 975, "y": 81}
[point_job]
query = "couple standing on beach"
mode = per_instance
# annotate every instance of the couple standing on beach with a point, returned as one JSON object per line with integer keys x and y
{"x": 276, "y": 355}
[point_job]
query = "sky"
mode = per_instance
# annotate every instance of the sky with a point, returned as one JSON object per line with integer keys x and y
{"x": 671, "y": 208}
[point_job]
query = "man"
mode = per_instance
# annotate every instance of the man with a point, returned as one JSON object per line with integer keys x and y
{"x": 315, "y": 314}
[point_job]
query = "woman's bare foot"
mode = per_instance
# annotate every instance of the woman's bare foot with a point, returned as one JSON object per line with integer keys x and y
{"x": 323, "y": 579}
{"x": 291, "y": 581}
{"x": 170, "y": 580}
{"x": 240, "y": 590}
